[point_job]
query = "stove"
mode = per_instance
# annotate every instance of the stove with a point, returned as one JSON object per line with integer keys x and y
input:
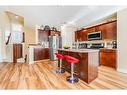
{"x": 96, "y": 46}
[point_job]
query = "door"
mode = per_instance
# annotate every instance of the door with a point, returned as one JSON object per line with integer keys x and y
{"x": 17, "y": 52}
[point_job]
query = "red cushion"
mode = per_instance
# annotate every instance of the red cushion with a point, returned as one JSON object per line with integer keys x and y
{"x": 59, "y": 56}
{"x": 71, "y": 59}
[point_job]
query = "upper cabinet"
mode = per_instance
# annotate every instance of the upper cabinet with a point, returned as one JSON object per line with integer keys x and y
{"x": 84, "y": 35}
{"x": 78, "y": 35}
{"x": 43, "y": 35}
{"x": 86, "y": 31}
{"x": 109, "y": 31}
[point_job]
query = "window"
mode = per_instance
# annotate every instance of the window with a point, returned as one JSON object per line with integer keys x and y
{"x": 17, "y": 34}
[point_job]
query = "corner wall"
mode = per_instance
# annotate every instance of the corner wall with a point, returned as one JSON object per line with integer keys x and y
{"x": 122, "y": 40}
{"x": 4, "y": 26}
{"x": 30, "y": 38}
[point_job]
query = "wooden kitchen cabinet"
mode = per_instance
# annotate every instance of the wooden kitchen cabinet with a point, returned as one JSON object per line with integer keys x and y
{"x": 46, "y": 53}
{"x": 43, "y": 35}
{"x": 89, "y": 30}
{"x": 54, "y": 33}
{"x": 81, "y": 35}
{"x": 78, "y": 35}
{"x": 84, "y": 35}
{"x": 41, "y": 53}
{"x": 109, "y": 30}
{"x": 108, "y": 58}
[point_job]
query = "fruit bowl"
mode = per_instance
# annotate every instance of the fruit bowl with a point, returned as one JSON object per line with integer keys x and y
{"x": 66, "y": 47}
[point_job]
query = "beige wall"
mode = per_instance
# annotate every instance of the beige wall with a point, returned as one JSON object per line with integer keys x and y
{"x": 122, "y": 39}
{"x": 30, "y": 36}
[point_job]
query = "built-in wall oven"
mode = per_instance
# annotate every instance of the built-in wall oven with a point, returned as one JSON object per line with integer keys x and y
{"x": 94, "y": 35}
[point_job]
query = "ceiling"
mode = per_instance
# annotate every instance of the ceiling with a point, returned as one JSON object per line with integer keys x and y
{"x": 59, "y": 15}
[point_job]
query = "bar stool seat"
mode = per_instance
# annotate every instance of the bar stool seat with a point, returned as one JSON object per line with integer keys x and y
{"x": 60, "y": 57}
{"x": 72, "y": 61}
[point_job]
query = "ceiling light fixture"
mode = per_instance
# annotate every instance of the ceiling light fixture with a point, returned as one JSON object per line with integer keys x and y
{"x": 16, "y": 16}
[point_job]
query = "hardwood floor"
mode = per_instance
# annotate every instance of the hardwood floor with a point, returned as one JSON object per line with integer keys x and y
{"x": 40, "y": 75}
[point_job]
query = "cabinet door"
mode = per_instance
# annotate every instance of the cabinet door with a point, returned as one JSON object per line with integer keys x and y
{"x": 38, "y": 54}
{"x": 84, "y": 35}
{"x": 89, "y": 30}
{"x": 43, "y": 35}
{"x": 40, "y": 35}
{"x": 79, "y": 35}
{"x": 46, "y": 53}
{"x": 111, "y": 30}
{"x": 108, "y": 58}
{"x": 108, "y": 30}
{"x": 17, "y": 52}
{"x": 103, "y": 30}
{"x": 76, "y": 36}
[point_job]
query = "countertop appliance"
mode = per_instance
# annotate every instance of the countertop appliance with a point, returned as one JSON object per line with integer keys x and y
{"x": 55, "y": 42}
{"x": 94, "y": 35}
{"x": 114, "y": 44}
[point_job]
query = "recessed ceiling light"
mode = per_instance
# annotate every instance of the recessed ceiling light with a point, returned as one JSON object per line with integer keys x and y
{"x": 16, "y": 16}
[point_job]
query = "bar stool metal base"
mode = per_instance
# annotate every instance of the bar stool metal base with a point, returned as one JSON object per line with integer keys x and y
{"x": 60, "y": 71}
{"x": 72, "y": 79}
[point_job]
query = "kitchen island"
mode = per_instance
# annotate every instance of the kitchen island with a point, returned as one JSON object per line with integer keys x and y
{"x": 87, "y": 68}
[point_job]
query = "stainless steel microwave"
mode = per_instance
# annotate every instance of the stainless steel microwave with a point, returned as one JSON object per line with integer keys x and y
{"x": 94, "y": 35}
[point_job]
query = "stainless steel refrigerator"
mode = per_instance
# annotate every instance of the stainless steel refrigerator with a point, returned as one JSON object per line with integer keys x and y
{"x": 55, "y": 42}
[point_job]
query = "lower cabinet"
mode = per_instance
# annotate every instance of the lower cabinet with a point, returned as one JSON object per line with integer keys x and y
{"x": 41, "y": 53}
{"x": 108, "y": 58}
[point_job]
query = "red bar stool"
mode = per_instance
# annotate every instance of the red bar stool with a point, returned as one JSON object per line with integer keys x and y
{"x": 60, "y": 57}
{"x": 72, "y": 60}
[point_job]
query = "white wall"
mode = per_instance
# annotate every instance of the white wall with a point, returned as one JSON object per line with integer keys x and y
{"x": 4, "y": 26}
{"x": 122, "y": 40}
{"x": 68, "y": 35}
{"x": 0, "y": 46}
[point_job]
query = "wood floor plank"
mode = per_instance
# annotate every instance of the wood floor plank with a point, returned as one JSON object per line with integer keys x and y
{"x": 41, "y": 75}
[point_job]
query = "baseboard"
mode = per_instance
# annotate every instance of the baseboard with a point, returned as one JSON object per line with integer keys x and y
{"x": 5, "y": 60}
{"x": 21, "y": 60}
{"x": 122, "y": 70}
